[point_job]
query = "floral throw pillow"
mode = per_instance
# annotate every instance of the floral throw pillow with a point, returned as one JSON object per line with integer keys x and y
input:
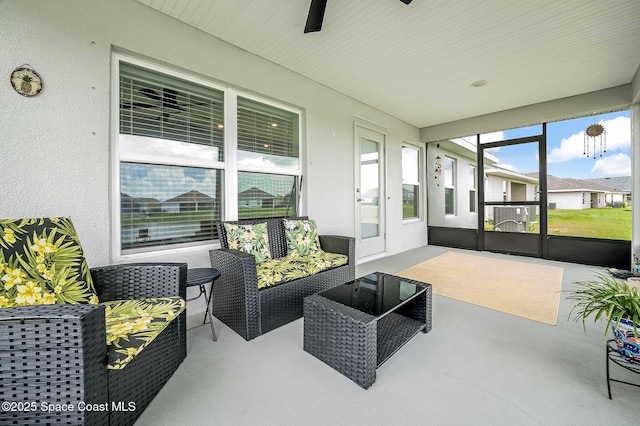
{"x": 302, "y": 237}
{"x": 41, "y": 262}
{"x": 252, "y": 239}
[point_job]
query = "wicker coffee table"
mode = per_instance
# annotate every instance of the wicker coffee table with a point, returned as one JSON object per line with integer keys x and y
{"x": 355, "y": 327}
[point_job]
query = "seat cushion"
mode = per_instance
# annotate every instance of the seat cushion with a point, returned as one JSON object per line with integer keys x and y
{"x": 302, "y": 237}
{"x": 284, "y": 269}
{"x": 250, "y": 238}
{"x": 133, "y": 324}
{"x": 41, "y": 262}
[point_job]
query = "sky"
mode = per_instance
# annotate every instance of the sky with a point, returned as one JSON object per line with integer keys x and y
{"x": 565, "y": 148}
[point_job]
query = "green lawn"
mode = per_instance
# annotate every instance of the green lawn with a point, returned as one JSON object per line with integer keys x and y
{"x": 595, "y": 223}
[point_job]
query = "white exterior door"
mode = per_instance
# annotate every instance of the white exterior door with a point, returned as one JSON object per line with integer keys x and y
{"x": 369, "y": 192}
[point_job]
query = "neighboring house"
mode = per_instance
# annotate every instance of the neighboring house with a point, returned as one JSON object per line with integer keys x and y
{"x": 620, "y": 185}
{"x": 575, "y": 194}
{"x": 189, "y": 202}
{"x": 257, "y": 198}
{"x": 506, "y": 185}
{"x": 142, "y": 206}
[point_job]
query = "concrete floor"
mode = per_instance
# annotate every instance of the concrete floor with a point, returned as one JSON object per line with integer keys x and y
{"x": 476, "y": 367}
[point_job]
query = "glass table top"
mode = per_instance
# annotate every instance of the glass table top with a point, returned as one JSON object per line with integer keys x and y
{"x": 373, "y": 294}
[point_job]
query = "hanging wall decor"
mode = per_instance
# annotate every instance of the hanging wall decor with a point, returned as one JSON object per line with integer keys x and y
{"x": 26, "y": 81}
{"x": 592, "y": 135}
{"x": 438, "y": 168}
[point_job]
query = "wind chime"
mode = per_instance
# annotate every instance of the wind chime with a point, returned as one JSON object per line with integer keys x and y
{"x": 596, "y": 136}
{"x": 438, "y": 169}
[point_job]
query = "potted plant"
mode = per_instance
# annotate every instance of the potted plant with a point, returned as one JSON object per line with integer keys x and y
{"x": 618, "y": 301}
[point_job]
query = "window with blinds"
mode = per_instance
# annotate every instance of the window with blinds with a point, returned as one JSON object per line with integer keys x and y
{"x": 449, "y": 171}
{"x": 171, "y": 141}
{"x": 172, "y": 167}
{"x": 410, "y": 182}
{"x": 268, "y": 138}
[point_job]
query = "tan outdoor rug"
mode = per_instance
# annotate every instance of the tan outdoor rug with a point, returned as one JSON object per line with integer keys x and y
{"x": 527, "y": 290}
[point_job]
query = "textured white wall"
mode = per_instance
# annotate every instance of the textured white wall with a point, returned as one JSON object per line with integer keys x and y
{"x": 462, "y": 218}
{"x": 56, "y": 146}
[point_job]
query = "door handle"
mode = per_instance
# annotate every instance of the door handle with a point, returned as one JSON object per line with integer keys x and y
{"x": 358, "y": 199}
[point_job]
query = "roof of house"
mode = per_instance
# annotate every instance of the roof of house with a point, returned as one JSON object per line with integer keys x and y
{"x": 192, "y": 196}
{"x": 126, "y": 198}
{"x": 618, "y": 183}
{"x": 556, "y": 184}
{"x": 255, "y": 193}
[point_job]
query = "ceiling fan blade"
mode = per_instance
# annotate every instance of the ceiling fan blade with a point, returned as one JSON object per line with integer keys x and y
{"x": 316, "y": 15}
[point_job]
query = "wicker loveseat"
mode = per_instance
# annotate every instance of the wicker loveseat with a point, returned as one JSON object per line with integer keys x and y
{"x": 56, "y": 366}
{"x": 251, "y": 309}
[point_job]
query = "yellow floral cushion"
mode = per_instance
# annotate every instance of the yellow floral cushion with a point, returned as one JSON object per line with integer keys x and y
{"x": 252, "y": 239}
{"x": 289, "y": 268}
{"x": 133, "y": 324}
{"x": 302, "y": 237}
{"x": 41, "y": 262}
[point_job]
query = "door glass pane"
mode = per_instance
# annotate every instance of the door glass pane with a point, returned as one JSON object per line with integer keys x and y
{"x": 369, "y": 188}
{"x": 511, "y": 176}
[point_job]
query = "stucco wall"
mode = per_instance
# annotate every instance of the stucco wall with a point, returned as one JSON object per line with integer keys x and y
{"x": 462, "y": 218}
{"x": 56, "y": 146}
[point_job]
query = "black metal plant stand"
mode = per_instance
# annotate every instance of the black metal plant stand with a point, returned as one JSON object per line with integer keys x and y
{"x": 613, "y": 355}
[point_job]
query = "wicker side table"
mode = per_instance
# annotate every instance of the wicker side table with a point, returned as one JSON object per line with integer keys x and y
{"x": 355, "y": 342}
{"x": 201, "y": 277}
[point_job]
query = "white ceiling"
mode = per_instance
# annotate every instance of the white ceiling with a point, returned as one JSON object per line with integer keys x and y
{"x": 417, "y": 62}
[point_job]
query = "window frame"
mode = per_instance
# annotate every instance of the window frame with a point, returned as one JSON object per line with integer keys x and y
{"x": 229, "y": 167}
{"x": 420, "y": 192}
{"x": 473, "y": 189}
{"x": 452, "y": 187}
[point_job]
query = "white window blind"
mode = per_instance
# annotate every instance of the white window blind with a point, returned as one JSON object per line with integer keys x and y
{"x": 165, "y": 107}
{"x": 267, "y": 136}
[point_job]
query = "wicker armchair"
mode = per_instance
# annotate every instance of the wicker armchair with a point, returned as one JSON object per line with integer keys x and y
{"x": 53, "y": 357}
{"x": 251, "y": 312}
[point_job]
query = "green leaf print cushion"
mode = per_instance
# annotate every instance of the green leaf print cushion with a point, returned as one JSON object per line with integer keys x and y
{"x": 41, "y": 262}
{"x": 302, "y": 237}
{"x": 133, "y": 324}
{"x": 252, "y": 239}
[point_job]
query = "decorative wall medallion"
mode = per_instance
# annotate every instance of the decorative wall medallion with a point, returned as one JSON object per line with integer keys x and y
{"x": 26, "y": 81}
